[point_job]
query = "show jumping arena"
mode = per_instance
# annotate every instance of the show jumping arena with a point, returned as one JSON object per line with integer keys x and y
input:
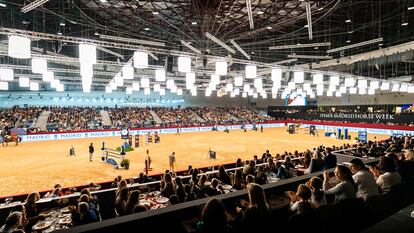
{"x": 41, "y": 164}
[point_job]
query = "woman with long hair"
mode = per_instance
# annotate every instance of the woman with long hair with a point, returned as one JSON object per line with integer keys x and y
{"x": 257, "y": 215}
{"x": 345, "y": 189}
{"x": 213, "y": 217}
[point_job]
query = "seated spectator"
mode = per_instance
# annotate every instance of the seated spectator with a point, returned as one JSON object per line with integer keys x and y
{"x": 30, "y": 205}
{"x": 270, "y": 166}
{"x": 318, "y": 196}
{"x": 281, "y": 173}
{"x": 122, "y": 184}
{"x": 345, "y": 189}
{"x": 302, "y": 204}
{"x": 386, "y": 174}
{"x": 210, "y": 190}
{"x": 316, "y": 163}
{"x": 237, "y": 180}
{"x": 167, "y": 187}
{"x": 261, "y": 177}
{"x": 190, "y": 195}
{"x": 121, "y": 202}
{"x": 329, "y": 159}
{"x": 132, "y": 201}
{"x": 256, "y": 218}
{"x": 249, "y": 169}
{"x": 84, "y": 215}
{"x": 13, "y": 222}
{"x": 179, "y": 190}
{"x": 406, "y": 167}
{"x": 223, "y": 176}
{"x": 365, "y": 181}
{"x": 213, "y": 218}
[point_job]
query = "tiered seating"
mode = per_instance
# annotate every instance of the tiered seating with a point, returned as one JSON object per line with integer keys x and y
{"x": 130, "y": 117}
{"x": 176, "y": 116}
{"x": 23, "y": 116}
{"x": 77, "y": 119}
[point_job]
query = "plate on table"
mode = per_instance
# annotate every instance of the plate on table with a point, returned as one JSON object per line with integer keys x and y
{"x": 227, "y": 186}
{"x": 65, "y": 220}
{"x": 162, "y": 200}
{"x": 65, "y": 210}
{"x": 145, "y": 203}
{"x": 46, "y": 213}
{"x": 142, "y": 196}
{"x": 154, "y": 193}
{"x": 42, "y": 225}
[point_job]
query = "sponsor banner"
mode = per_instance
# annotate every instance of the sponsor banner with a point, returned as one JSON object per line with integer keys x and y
{"x": 192, "y": 129}
{"x": 204, "y": 129}
{"x": 221, "y": 128}
{"x": 277, "y": 125}
{"x": 63, "y": 136}
{"x": 235, "y": 127}
{"x": 169, "y": 130}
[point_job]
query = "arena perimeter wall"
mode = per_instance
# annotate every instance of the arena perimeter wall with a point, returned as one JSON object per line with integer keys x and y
{"x": 352, "y": 127}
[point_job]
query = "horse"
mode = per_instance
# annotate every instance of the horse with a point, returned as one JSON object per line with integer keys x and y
{"x": 10, "y": 138}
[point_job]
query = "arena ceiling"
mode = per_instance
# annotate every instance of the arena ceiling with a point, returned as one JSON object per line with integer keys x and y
{"x": 255, "y": 25}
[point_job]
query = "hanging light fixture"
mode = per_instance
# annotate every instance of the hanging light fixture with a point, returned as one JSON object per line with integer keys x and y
{"x": 298, "y": 77}
{"x": 39, "y": 65}
{"x": 251, "y": 71}
{"x": 87, "y": 53}
{"x": 238, "y": 81}
{"x": 170, "y": 83}
{"x": 276, "y": 75}
{"x": 4, "y": 86}
{"x": 6, "y": 74}
{"x": 184, "y": 64}
{"x": 221, "y": 67}
{"x": 160, "y": 75}
{"x": 24, "y": 82}
{"x": 140, "y": 60}
{"x": 34, "y": 86}
{"x": 135, "y": 86}
{"x": 318, "y": 79}
{"x": 128, "y": 72}
{"x": 19, "y": 47}
{"x": 128, "y": 90}
{"x": 48, "y": 76}
{"x": 145, "y": 82}
{"x": 179, "y": 91}
{"x": 157, "y": 87}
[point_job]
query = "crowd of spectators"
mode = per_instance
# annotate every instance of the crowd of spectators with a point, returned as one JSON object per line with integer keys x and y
{"x": 130, "y": 117}
{"x": 176, "y": 116}
{"x": 77, "y": 119}
{"x": 350, "y": 181}
{"x": 214, "y": 115}
{"x": 248, "y": 115}
{"x": 19, "y": 117}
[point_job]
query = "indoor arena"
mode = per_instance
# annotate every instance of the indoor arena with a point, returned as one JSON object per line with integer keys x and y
{"x": 206, "y": 116}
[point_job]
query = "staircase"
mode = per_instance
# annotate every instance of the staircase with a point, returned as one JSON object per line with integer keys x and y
{"x": 106, "y": 120}
{"x": 41, "y": 122}
{"x": 198, "y": 117}
{"x": 156, "y": 118}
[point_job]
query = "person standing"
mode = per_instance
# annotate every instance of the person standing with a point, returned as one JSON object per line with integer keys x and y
{"x": 91, "y": 150}
{"x": 261, "y": 128}
{"x": 172, "y": 161}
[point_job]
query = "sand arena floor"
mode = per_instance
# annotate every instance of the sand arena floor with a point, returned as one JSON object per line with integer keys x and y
{"x": 36, "y": 166}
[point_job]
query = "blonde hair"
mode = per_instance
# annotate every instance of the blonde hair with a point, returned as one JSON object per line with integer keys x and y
{"x": 257, "y": 196}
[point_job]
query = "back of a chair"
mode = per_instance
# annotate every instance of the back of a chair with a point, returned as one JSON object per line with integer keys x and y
{"x": 378, "y": 207}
